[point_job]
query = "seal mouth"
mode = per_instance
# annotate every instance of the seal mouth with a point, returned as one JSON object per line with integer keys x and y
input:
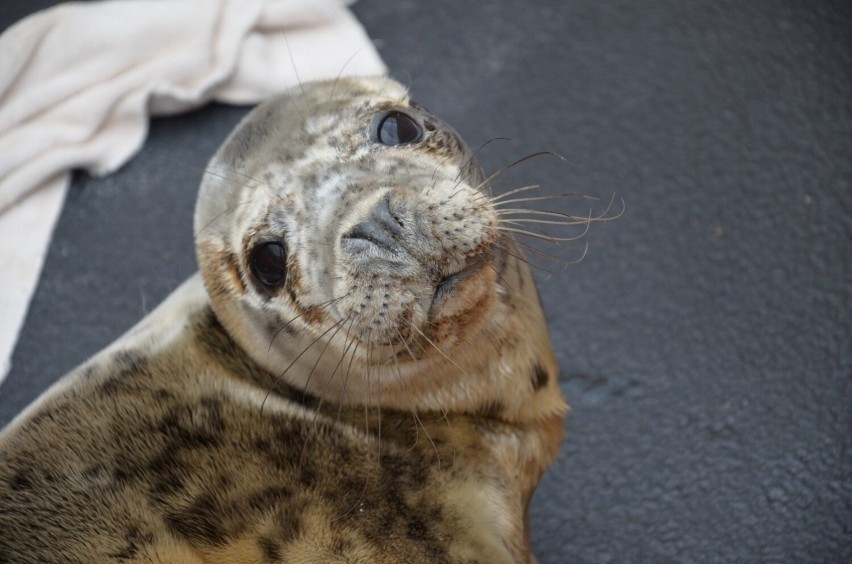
{"x": 447, "y": 285}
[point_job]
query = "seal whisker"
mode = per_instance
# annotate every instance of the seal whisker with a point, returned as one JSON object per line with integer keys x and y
{"x": 369, "y": 402}
{"x": 322, "y": 352}
{"x": 521, "y": 223}
{"x": 296, "y": 72}
{"x": 475, "y": 153}
{"x": 454, "y": 194}
{"x": 414, "y": 359}
{"x": 533, "y": 234}
{"x": 340, "y": 73}
{"x": 529, "y": 263}
{"x": 346, "y": 348}
{"x": 467, "y": 161}
{"x": 601, "y": 217}
{"x": 539, "y": 198}
{"x": 517, "y": 162}
{"x": 453, "y": 362}
{"x": 347, "y": 344}
{"x": 499, "y": 275}
{"x": 499, "y": 197}
{"x": 346, "y": 379}
{"x": 211, "y": 168}
{"x": 565, "y": 263}
{"x": 413, "y": 411}
{"x": 541, "y": 253}
{"x": 218, "y": 216}
{"x": 305, "y": 389}
{"x": 284, "y": 325}
{"x": 293, "y": 362}
{"x": 462, "y": 168}
{"x": 532, "y": 211}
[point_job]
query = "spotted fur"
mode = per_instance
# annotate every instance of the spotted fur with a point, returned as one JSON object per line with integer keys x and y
{"x": 393, "y": 405}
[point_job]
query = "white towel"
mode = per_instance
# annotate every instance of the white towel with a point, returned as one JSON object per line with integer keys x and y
{"x": 78, "y": 82}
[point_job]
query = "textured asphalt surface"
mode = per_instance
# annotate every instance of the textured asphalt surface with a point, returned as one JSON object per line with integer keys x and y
{"x": 704, "y": 341}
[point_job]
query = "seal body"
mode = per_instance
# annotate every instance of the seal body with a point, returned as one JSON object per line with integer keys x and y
{"x": 361, "y": 371}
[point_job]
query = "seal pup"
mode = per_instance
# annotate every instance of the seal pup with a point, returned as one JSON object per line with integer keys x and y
{"x": 360, "y": 373}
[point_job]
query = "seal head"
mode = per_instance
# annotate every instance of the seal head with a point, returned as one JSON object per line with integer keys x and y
{"x": 349, "y": 243}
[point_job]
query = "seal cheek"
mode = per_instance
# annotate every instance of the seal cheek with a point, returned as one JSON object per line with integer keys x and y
{"x": 310, "y": 314}
{"x": 221, "y": 271}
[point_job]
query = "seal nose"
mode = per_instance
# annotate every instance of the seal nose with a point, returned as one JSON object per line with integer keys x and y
{"x": 380, "y": 228}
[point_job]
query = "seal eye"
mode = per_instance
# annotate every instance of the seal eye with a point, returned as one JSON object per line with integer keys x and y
{"x": 397, "y": 128}
{"x": 269, "y": 263}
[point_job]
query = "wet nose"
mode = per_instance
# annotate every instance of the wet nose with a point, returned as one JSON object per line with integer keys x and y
{"x": 380, "y": 228}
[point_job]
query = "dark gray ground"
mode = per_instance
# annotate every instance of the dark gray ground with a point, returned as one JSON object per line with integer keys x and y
{"x": 704, "y": 341}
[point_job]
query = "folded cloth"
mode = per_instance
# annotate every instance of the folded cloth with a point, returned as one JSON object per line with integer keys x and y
{"x": 78, "y": 82}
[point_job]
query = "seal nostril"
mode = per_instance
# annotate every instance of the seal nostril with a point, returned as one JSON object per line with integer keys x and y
{"x": 371, "y": 232}
{"x": 381, "y": 228}
{"x": 382, "y": 213}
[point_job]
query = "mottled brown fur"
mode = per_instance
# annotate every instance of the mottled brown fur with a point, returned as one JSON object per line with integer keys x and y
{"x": 205, "y": 435}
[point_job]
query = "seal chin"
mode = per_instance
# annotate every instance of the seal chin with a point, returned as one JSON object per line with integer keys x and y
{"x": 394, "y": 311}
{"x": 381, "y": 309}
